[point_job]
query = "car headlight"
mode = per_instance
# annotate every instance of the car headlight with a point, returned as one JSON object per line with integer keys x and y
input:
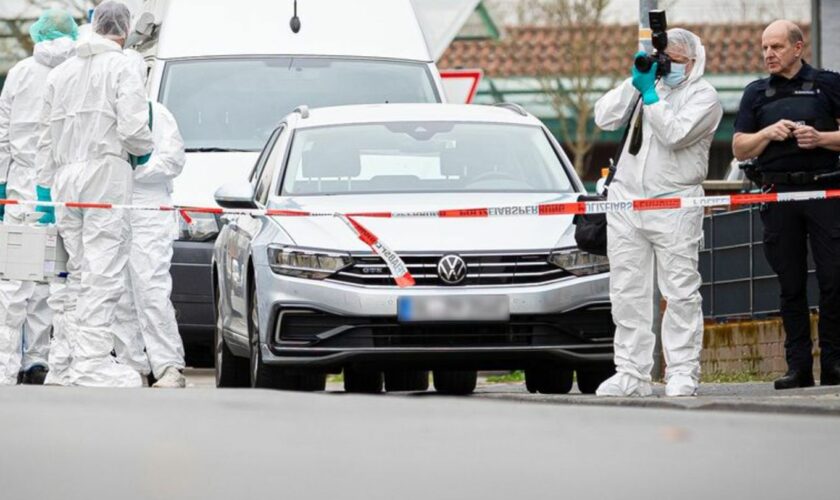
{"x": 578, "y": 262}
{"x": 303, "y": 263}
{"x": 202, "y": 227}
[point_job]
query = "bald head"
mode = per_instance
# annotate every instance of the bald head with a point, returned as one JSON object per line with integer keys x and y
{"x": 782, "y": 44}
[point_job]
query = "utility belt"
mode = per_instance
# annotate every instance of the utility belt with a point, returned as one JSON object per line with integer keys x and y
{"x": 791, "y": 178}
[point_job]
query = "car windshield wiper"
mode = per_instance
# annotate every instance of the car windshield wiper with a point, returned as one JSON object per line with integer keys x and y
{"x": 217, "y": 150}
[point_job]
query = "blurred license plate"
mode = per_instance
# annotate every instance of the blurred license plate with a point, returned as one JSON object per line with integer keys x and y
{"x": 453, "y": 308}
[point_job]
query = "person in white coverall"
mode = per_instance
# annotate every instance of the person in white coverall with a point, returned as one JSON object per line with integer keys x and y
{"x": 95, "y": 116}
{"x": 25, "y": 317}
{"x": 680, "y": 114}
{"x": 145, "y": 316}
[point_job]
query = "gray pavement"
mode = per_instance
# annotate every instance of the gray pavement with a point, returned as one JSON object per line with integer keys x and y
{"x": 749, "y": 397}
{"x": 74, "y": 443}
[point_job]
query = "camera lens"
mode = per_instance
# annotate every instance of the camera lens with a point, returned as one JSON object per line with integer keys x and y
{"x": 643, "y": 63}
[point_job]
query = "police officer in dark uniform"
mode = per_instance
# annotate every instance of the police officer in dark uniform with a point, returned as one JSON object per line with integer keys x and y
{"x": 789, "y": 124}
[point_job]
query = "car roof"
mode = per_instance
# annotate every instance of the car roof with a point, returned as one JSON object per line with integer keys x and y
{"x": 386, "y": 29}
{"x": 378, "y": 113}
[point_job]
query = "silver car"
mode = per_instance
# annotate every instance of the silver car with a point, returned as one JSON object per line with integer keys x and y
{"x": 300, "y": 297}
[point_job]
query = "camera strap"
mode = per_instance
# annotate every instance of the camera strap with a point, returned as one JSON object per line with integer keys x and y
{"x": 614, "y": 160}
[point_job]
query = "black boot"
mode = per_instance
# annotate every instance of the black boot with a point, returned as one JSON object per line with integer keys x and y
{"x": 35, "y": 375}
{"x": 830, "y": 375}
{"x": 794, "y": 379}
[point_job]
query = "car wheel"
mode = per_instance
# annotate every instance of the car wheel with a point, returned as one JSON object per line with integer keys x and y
{"x": 588, "y": 379}
{"x": 362, "y": 381}
{"x": 231, "y": 371}
{"x": 273, "y": 377}
{"x": 406, "y": 380}
{"x": 549, "y": 380}
{"x": 458, "y": 383}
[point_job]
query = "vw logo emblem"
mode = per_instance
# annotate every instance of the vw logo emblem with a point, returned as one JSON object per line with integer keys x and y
{"x": 452, "y": 269}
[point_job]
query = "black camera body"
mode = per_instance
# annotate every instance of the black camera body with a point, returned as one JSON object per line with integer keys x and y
{"x": 659, "y": 40}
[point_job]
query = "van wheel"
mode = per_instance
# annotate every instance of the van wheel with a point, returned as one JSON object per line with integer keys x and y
{"x": 406, "y": 380}
{"x": 231, "y": 371}
{"x": 588, "y": 379}
{"x": 549, "y": 380}
{"x": 456, "y": 383}
{"x": 361, "y": 381}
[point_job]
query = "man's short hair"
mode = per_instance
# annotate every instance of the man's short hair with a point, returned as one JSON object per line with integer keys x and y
{"x": 795, "y": 34}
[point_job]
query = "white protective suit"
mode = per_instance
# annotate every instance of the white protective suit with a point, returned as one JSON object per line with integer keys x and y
{"x": 25, "y": 317}
{"x": 95, "y": 114}
{"x": 672, "y": 162}
{"x": 145, "y": 316}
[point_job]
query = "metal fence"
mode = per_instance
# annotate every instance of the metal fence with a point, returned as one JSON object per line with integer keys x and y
{"x": 737, "y": 279}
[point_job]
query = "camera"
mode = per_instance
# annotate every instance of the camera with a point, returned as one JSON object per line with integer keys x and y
{"x": 659, "y": 40}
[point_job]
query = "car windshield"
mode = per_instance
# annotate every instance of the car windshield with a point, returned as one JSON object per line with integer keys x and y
{"x": 414, "y": 157}
{"x": 235, "y": 104}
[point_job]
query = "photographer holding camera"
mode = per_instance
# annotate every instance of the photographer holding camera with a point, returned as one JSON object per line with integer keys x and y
{"x": 666, "y": 156}
{"x": 789, "y": 121}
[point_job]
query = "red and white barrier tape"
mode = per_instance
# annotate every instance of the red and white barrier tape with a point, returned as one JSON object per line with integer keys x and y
{"x": 398, "y": 268}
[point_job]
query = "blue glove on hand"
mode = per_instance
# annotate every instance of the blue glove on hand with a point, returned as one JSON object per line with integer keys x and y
{"x": 2, "y": 197}
{"x": 646, "y": 82}
{"x": 138, "y": 161}
{"x": 49, "y": 212}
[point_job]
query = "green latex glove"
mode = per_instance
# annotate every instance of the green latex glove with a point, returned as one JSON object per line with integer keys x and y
{"x": 2, "y": 197}
{"x": 49, "y": 212}
{"x": 139, "y": 161}
{"x": 646, "y": 82}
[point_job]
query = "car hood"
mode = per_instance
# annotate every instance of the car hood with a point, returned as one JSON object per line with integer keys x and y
{"x": 204, "y": 173}
{"x": 508, "y": 233}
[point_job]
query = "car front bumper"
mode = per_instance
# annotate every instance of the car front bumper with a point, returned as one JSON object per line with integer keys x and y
{"x": 326, "y": 325}
{"x": 192, "y": 290}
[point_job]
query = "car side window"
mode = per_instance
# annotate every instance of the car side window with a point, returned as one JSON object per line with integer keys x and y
{"x": 260, "y": 163}
{"x": 267, "y": 173}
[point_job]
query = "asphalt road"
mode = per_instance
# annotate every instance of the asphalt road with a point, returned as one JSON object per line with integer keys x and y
{"x": 73, "y": 443}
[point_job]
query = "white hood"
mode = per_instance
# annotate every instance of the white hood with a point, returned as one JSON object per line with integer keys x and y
{"x": 204, "y": 173}
{"x": 509, "y": 233}
{"x": 94, "y": 44}
{"x": 54, "y": 52}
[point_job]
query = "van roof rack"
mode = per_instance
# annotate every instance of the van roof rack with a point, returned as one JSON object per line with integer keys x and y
{"x": 303, "y": 111}
{"x": 516, "y": 108}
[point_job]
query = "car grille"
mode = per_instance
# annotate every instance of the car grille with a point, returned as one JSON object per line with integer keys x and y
{"x": 317, "y": 329}
{"x": 482, "y": 270}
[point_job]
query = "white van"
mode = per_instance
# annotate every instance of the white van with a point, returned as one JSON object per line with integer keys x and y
{"x": 229, "y": 71}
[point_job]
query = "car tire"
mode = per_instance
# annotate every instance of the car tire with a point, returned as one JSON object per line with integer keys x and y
{"x": 265, "y": 376}
{"x": 549, "y": 380}
{"x": 231, "y": 371}
{"x": 360, "y": 381}
{"x": 588, "y": 379}
{"x": 406, "y": 380}
{"x": 456, "y": 383}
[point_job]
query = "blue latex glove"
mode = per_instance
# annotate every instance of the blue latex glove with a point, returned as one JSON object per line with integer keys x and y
{"x": 49, "y": 212}
{"x": 646, "y": 82}
{"x": 139, "y": 161}
{"x": 2, "y": 197}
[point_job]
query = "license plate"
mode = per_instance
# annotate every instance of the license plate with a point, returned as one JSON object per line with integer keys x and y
{"x": 453, "y": 308}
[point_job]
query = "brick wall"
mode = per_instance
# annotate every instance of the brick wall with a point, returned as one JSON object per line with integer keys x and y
{"x": 755, "y": 347}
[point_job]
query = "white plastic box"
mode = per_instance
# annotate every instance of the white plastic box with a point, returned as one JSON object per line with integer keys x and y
{"x": 32, "y": 253}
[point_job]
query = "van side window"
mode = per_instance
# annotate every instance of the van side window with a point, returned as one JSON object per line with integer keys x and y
{"x": 267, "y": 173}
{"x": 260, "y": 163}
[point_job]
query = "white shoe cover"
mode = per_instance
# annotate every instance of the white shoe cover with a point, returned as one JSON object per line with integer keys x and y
{"x": 622, "y": 385}
{"x": 681, "y": 385}
{"x": 172, "y": 379}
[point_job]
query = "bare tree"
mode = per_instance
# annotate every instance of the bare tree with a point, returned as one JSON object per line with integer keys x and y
{"x": 571, "y": 94}
{"x": 15, "y": 28}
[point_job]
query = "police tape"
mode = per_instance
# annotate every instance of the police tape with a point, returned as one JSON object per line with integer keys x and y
{"x": 395, "y": 264}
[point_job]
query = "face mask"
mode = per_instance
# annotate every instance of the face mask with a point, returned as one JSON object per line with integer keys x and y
{"x": 676, "y": 76}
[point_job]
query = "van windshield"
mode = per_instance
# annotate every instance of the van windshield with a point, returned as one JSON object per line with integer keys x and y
{"x": 234, "y": 104}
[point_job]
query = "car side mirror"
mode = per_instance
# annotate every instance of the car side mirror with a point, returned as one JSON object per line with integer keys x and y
{"x": 239, "y": 194}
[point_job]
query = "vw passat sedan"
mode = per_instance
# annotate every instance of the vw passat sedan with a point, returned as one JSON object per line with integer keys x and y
{"x": 300, "y": 297}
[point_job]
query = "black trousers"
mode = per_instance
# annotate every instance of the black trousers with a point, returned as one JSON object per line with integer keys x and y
{"x": 787, "y": 228}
